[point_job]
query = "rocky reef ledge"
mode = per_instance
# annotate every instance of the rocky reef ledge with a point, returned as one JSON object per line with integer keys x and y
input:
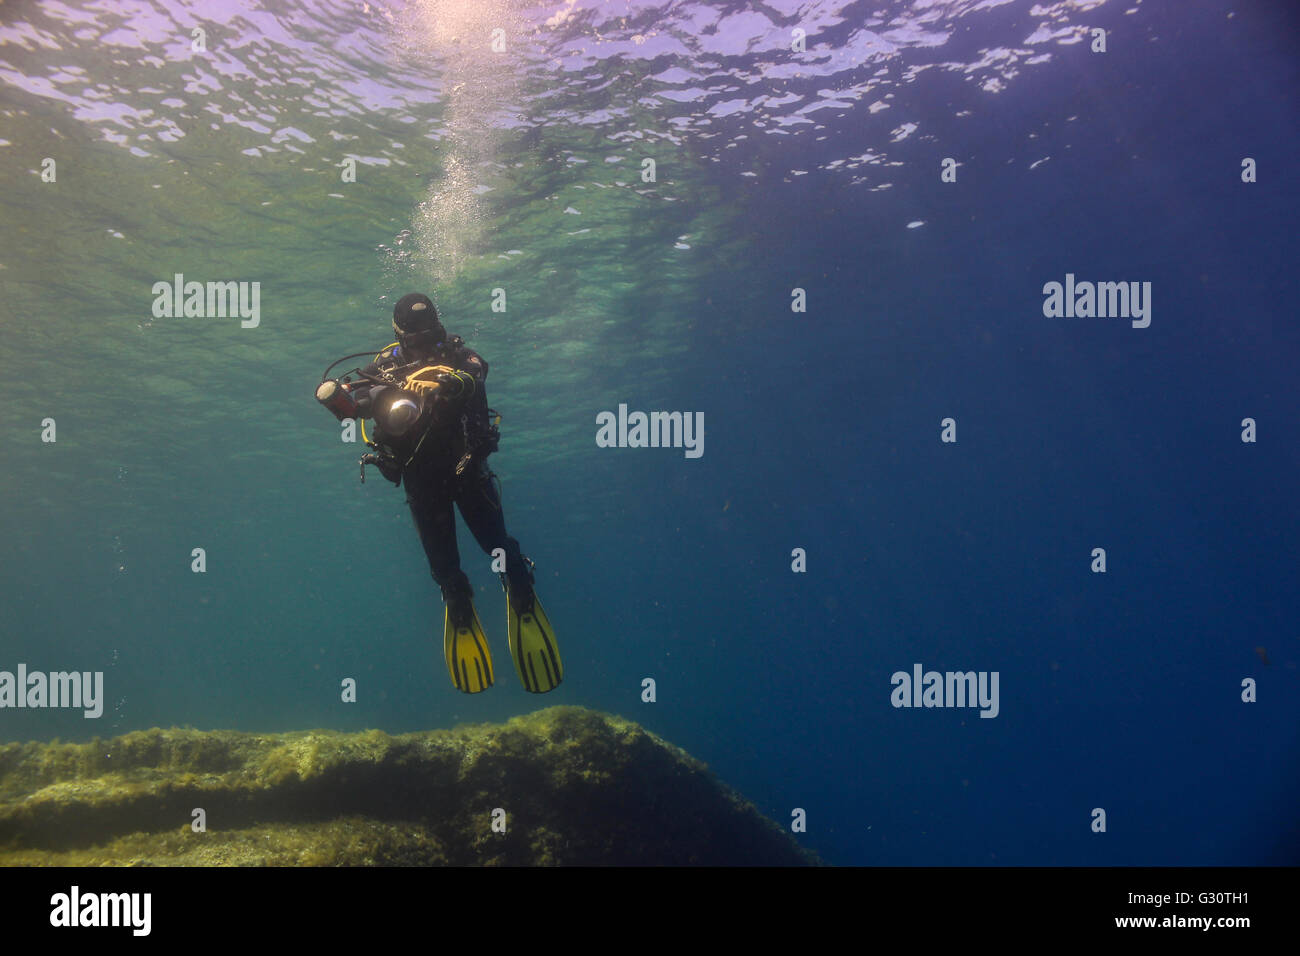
{"x": 577, "y": 788}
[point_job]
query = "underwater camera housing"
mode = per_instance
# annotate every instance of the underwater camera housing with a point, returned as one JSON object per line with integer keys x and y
{"x": 395, "y": 409}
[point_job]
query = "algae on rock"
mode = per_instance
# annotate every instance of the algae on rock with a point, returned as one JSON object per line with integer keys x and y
{"x": 577, "y": 788}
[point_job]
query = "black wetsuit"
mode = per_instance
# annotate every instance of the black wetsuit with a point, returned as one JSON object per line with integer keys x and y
{"x": 443, "y": 459}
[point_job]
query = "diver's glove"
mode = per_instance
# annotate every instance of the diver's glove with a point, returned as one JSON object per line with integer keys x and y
{"x": 426, "y": 387}
{"x": 441, "y": 382}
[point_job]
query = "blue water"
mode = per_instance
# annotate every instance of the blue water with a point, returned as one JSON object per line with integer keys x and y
{"x": 1120, "y": 691}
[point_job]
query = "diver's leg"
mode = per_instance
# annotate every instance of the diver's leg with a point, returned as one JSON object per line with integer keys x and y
{"x": 436, "y": 523}
{"x": 480, "y": 506}
{"x": 464, "y": 645}
{"x": 533, "y": 647}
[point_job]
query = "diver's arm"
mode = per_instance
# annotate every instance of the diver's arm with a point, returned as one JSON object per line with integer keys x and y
{"x": 476, "y": 365}
{"x": 367, "y": 393}
{"x": 469, "y": 393}
{"x": 370, "y": 386}
{"x": 483, "y": 434}
{"x": 361, "y": 390}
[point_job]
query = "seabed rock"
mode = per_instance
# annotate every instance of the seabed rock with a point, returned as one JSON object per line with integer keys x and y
{"x": 577, "y": 787}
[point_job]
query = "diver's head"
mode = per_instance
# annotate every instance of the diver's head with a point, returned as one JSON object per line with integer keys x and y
{"x": 415, "y": 321}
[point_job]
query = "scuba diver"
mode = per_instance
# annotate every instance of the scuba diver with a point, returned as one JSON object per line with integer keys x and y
{"x": 434, "y": 431}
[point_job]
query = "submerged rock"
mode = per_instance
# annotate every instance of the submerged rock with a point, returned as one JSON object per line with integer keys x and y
{"x": 576, "y": 787}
